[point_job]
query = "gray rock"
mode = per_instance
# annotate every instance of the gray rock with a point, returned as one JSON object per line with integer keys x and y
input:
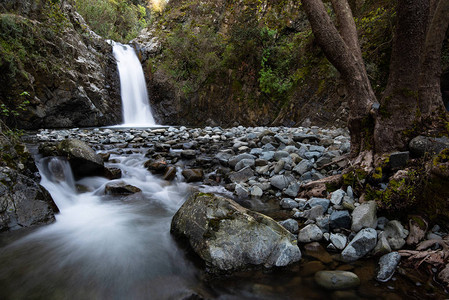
{"x": 293, "y": 189}
{"x": 323, "y": 223}
{"x": 364, "y": 216}
{"x": 288, "y": 203}
{"x": 310, "y": 233}
{"x": 387, "y": 266}
{"x": 291, "y": 225}
{"x": 340, "y": 219}
{"x": 279, "y": 166}
{"x": 234, "y": 160}
{"x": 280, "y": 154}
{"x": 361, "y": 244}
{"x": 319, "y": 201}
{"x": 337, "y": 197}
{"x": 256, "y": 191}
{"x": 82, "y": 158}
{"x": 381, "y": 222}
{"x": 312, "y": 154}
{"x": 281, "y": 181}
{"x": 339, "y": 240}
{"x": 23, "y": 201}
{"x": 398, "y": 160}
{"x": 395, "y": 234}
{"x": 382, "y": 247}
{"x": 314, "y": 212}
{"x": 299, "y": 137}
{"x": 246, "y": 162}
{"x": 241, "y": 176}
{"x": 241, "y": 191}
{"x": 188, "y": 154}
{"x": 303, "y": 166}
{"x": 268, "y": 155}
{"x": 229, "y": 237}
{"x": 223, "y": 158}
{"x": 337, "y": 280}
{"x": 423, "y": 144}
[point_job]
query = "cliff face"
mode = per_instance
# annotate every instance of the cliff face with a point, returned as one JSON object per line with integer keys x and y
{"x": 238, "y": 62}
{"x": 54, "y": 67}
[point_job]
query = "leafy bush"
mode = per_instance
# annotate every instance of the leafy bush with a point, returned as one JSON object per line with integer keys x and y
{"x": 118, "y": 20}
{"x": 192, "y": 57}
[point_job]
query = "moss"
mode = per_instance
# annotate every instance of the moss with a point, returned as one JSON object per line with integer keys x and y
{"x": 377, "y": 173}
{"x": 419, "y": 221}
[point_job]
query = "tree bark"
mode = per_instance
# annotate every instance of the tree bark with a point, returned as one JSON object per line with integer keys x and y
{"x": 430, "y": 98}
{"x": 413, "y": 89}
{"x": 399, "y": 104}
{"x": 339, "y": 48}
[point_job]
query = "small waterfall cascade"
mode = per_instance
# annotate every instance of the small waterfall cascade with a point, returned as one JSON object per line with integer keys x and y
{"x": 136, "y": 107}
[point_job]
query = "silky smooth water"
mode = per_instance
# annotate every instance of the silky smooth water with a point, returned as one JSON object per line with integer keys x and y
{"x": 136, "y": 108}
{"x": 101, "y": 247}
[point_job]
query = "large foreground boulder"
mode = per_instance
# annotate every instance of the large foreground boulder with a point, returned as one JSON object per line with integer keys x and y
{"x": 229, "y": 237}
{"x": 23, "y": 202}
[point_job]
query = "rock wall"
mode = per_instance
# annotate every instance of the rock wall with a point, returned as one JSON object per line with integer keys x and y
{"x": 62, "y": 73}
{"x": 218, "y": 82}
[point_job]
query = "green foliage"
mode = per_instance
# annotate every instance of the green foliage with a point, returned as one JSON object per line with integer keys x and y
{"x": 119, "y": 20}
{"x": 274, "y": 77}
{"x": 192, "y": 57}
{"x": 7, "y": 112}
{"x": 376, "y": 34}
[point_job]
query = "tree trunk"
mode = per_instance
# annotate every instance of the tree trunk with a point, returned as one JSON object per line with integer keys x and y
{"x": 343, "y": 51}
{"x": 399, "y": 104}
{"x": 413, "y": 89}
{"x": 430, "y": 98}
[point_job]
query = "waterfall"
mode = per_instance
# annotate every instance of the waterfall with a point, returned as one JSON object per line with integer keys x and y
{"x": 136, "y": 108}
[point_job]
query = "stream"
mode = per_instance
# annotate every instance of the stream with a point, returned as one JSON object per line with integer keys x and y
{"x": 120, "y": 247}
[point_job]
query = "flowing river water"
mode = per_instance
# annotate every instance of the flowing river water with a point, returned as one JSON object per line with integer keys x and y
{"x": 120, "y": 247}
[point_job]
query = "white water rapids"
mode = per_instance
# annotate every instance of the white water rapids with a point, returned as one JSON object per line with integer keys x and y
{"x": 101, "y": 247}
{"x": 136, "y": 108}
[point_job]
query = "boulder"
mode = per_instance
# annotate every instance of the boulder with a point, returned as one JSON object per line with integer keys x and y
{"x": 340, "y": 219}
{"x": 170, "y": 173}
{"x": 193, "y": 175}
{"x": 242, "y": 175}
{"x": 319, "y": 201}
{"x": 229, "y": 237}
{"x": 281, "y": 181}
{"x": 158, "y": 166}
{"x": 395, "y": 234}
{"x": 120, "y": 188}
{"x": 337, "y": 197}
{"x": 112, "y": 173}
{"x": 360, "y": 245}
{"x": 424, "y": 144}
{"x": 23, "y": 201}
{"x": 291, "y": 225}
{"x": 339, "y": 240}
{"x": 337, "y": 280}
{"x": 387, "y": 266}
{"x": 82, "y": 158}
{"x": 364, "y": 216}
{"x": 310, "y": 233}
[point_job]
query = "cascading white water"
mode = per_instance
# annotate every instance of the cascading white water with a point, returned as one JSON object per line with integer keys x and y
{"x": 136, "y": 108}
{"x": 101, "y": 246}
